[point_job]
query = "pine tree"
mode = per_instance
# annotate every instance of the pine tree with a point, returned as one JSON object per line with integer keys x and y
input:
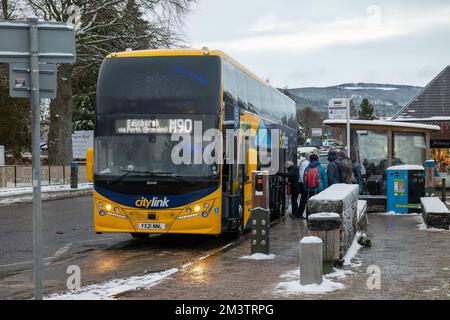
{"x": 367, "y": 111}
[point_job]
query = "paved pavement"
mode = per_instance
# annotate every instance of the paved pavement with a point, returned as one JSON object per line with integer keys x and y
{"x": 414, "y": 265}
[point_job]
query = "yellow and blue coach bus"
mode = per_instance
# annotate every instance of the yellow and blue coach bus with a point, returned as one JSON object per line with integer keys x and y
{"x": 143, "y": 97}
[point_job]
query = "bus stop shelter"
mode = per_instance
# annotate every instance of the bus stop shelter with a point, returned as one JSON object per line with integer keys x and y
{"x": 379, "y": 144}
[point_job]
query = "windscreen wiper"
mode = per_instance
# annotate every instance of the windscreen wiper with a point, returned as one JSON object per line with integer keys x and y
{"x": 170, "y": 175}
{"x": 126, "y": 173}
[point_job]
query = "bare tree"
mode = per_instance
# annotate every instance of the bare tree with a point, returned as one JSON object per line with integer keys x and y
{"x": 8, "y": 9}
{"x": 105, "y": 26}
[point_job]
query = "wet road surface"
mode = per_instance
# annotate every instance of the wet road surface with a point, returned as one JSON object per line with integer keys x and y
{"x": 69, "y": 240}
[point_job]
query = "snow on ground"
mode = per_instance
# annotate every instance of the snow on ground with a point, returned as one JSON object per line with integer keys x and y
{"x": 110, "y": 289}
{"x": 392, "y": 213}
{"x": 259, "y": 257}
{"x": 11, "y": 192}
{"x": 107, "y": 290}
{"x": 352, "y": 252}
{"x": 25, "y": 195}
{"x": 293, "y": 286}
{"x": 338, "y": 274}
{"x": 421, "y": 225}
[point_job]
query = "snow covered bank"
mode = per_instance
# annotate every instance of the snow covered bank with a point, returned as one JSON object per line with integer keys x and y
{"x": 25, "y": 195}
{"x": 12, "y": 192}
{"x": 352, "y": 252}
{"x": 107, "y": 290}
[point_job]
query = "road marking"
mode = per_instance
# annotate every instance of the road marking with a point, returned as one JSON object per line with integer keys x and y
{"x": 58, "y": 252}
{"x": 62, "y": 250}
{"x": 21, "y": 263}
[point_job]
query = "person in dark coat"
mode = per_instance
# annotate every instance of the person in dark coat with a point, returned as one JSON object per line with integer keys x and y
{"x": 345, "y": 168}
{"x": 333, "y": 171}
{"x": 293, "y": 176}
{"x": 358, "y": 176}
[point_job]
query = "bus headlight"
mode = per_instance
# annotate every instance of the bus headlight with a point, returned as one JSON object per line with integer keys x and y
{"x": 188, "y": 210}
{"x": 206, "y": 205}
{"x": 197, "y": 208}
{"x": 108, "y": 207}
{"x": 100, "y": 204}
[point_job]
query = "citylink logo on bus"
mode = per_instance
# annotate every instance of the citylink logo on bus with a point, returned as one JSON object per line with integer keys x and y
{"x": 152, "y": 203}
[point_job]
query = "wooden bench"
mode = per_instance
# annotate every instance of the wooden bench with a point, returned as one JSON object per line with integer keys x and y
{"x": 341, "y": 199}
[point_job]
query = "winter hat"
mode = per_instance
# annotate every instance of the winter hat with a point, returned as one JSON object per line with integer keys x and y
{"x": 341, "y": 155}
{"x": 313, "y": 158}
{"x": 332, "y": 156}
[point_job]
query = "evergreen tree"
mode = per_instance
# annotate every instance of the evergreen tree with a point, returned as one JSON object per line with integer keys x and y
{"x": 15, "y": 120}
{"x": 367, "y": 111}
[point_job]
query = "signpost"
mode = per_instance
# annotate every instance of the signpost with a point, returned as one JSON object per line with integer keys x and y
{"x": 339, "y": 109}
{"x": 33, "y": 48}
{"x": 81, "y": 141}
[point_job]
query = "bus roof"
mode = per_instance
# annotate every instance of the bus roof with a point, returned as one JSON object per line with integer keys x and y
{"x": 190, "y": 52}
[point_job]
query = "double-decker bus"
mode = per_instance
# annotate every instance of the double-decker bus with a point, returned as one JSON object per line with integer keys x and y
{"x": 143, "y": 98}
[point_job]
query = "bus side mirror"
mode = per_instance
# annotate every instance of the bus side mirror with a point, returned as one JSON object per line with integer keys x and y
{"x": 90, "y": 164}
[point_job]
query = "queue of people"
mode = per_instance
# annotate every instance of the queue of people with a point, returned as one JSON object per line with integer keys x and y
{"x": 311, "y": 178}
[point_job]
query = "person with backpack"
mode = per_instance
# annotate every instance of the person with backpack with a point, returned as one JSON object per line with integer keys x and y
{"x": 333, "y": 171}
{"x": 346, "y": 169}
{"x": 315, "y": 178}
{"x": 293, "y": 176}
{"x": 303, "y": 192}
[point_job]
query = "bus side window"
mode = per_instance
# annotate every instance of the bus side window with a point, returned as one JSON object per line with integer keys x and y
{"x": 242, "y": 90}
{"x": 230, "y": 91}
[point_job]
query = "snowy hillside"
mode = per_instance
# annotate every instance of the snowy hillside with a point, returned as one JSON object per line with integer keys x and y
{"x": 386, "y": 98}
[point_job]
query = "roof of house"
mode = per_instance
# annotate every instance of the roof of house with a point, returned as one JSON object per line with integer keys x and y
{"x": 433, "y": 101}
{"x": 383, "y": 123}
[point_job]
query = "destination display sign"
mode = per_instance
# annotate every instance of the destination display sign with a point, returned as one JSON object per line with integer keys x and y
{"x": 154, "y": 126}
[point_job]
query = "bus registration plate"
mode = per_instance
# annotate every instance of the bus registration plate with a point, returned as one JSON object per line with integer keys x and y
{"x": 152, "y": 226}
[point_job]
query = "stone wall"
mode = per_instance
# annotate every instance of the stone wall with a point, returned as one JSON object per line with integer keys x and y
{"x": 343, "y": 200}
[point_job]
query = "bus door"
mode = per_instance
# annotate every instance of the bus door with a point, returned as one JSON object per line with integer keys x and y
{"x": 249, "y": 126}
{"x": 232, "y": 179}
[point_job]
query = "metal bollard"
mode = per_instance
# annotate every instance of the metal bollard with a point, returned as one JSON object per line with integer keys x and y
{"x": 260, "y": 216}
{"x": 311, "y": 267}
{"x": 74, "y": 175}
{"x": 261, "y": 231}
{"x": 444, "y": 191}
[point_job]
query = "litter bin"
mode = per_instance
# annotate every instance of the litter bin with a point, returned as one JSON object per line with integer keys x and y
{"x": 406, "y": 185}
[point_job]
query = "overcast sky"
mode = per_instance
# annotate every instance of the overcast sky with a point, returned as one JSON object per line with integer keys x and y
{"x": 299, "y": 43}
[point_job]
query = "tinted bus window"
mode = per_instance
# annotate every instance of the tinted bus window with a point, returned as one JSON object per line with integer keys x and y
{"x": 242, "y": 90}
{"x": 230, "y": 84}
{"x": 163, "y": 85}
{"x": 254, "y": 103}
